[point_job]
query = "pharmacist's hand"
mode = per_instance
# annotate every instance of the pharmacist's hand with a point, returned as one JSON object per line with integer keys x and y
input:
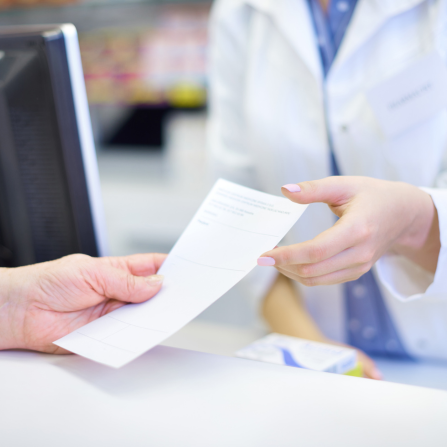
{"x": 43, "y": 302}
{"x": 369, "y": 368}
{"x": 375, "y": 216}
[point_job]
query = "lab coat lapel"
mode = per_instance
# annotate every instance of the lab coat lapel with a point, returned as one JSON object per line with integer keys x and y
{"x": 294, "y": 21}
{"x": 369, "y": 16}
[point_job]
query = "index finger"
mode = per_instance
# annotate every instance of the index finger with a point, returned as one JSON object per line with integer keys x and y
{"x": 336, "y": 239}
{"x": 334, "y": 191}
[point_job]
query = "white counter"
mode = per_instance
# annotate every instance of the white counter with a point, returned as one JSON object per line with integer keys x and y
{"x": 171, "y": 397}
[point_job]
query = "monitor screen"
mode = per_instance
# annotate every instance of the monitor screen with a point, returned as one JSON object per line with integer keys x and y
{"x": 50, "y": 203}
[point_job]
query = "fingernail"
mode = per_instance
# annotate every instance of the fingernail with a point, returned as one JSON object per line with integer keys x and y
{"x": 292, "y": 187}
{"x": 376, "y": 374}
{"x": 154, "y": 280}
{"x": 265, "y": 261}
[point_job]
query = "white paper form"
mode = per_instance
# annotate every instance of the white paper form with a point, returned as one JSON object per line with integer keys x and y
{"x": 221, "y": 244}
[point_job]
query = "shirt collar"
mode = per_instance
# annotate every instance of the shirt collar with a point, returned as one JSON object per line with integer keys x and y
{"x": 293, "y": 19}
{"x": 388, "y": 7}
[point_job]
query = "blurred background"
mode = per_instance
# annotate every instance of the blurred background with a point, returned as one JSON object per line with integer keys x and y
{"x": 145, "y": 71}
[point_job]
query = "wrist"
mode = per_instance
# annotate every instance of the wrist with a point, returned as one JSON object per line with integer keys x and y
{"x": 421, "y": 240}
{"x": 417, "y": 215}
{"x": 6, "y": 311}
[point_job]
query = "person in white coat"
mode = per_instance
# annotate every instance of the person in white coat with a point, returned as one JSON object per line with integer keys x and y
{"x": 301, "y": 90}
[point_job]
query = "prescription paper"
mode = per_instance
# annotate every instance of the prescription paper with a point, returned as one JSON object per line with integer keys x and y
{"x": 221, "y": 244}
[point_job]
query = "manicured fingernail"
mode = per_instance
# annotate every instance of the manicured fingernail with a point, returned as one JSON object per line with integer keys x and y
{"x": 292, "y": 188}
{"x": 154, "y": 280}
{"x": 265, "y": 261}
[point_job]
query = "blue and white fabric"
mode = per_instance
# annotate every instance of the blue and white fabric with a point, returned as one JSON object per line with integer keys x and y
{"x": 370, "y": 326}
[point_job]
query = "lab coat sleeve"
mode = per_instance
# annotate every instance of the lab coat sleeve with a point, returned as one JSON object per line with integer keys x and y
{"x": 229, "y": 155}
{"x": 405, "y": 280}
{"x": 228, "y": 152}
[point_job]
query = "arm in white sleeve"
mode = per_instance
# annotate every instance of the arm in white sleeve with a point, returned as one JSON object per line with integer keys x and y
{"x": 229, "y": 155}
{"x": 405, "y": 280}
{"x": 228, "y": 152}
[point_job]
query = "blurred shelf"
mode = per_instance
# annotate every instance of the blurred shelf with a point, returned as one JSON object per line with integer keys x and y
{"x": 135, "y": 53}
{"x": 88, "y": 15}
{"x": 29, "y": 6}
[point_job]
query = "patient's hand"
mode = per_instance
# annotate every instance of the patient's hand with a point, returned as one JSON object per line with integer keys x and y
{"x": 43, "y": 302}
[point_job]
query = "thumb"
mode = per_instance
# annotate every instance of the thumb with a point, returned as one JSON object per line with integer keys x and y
{"x": 120, "y": 285}
{"x": 333, "y": 191}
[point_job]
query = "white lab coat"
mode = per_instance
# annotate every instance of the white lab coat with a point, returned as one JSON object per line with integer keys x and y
{"x": 268, "y": 115}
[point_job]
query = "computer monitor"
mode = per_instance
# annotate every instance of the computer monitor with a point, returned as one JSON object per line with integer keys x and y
{"x": 50, "y": 200}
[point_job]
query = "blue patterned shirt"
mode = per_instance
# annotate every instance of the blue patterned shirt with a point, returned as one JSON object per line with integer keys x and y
{"x": 369, "y": 324}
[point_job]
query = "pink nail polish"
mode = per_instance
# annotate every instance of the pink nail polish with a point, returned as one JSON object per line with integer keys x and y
{"x": 265, "y": 261}
{"x": 292, "y": 188}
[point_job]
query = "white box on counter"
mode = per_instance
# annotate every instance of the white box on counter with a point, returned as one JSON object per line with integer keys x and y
{"x": 300, "y": 353}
